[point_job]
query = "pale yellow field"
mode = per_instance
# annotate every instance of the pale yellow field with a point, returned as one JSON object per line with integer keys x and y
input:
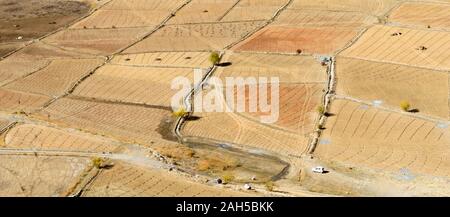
{"x": 199, "y": 11}
{"x": 122, "y": 19}
{"x": 154, "y": 5}
{"x": 196, "y": 37}
{"x": 324, "y": 18}
{"x": 123, "y": 122}
{"x": 15, "y": 101}
{"x": 40, "y": 51}
{"x": 254, "y": 10}
{"x": 125, "y": 180}
{"x": 11, "y": 70}
{"x": 97, "y": 41}
{"x": 145, "y": 85}
{"x": 375, "y": 7}
{"x": 57, "y": 78}
{"x": 165, "y": 59}
{"x": 433, "y": 15}
{"x": 29, "y": 136}
{"x": 40, "y": 176}
{"x": 426, "y": 90}
{"x": 288, "y": 68}
{"x": 379, "y": 44}
{"x": 365, "y": 136}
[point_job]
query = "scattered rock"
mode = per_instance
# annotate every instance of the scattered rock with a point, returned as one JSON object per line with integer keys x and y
{"x": 247, "y": 187}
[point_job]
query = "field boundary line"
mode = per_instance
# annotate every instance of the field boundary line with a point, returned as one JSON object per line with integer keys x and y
{"x": 229, "y": 10}
{"x": 274, "y": 16}
{"x": 326, "y": 103}
{"x": 117, "y": 102}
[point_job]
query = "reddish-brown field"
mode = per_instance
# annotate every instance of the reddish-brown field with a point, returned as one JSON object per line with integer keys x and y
{"x": 310, "y": 40}
{"x": 297, "y": 106}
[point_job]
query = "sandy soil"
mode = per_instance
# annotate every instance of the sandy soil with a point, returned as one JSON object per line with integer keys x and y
{"x": 34, "y": 18}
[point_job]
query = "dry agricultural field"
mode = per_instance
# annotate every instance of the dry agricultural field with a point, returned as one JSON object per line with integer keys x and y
{"x": 86, "y": 88}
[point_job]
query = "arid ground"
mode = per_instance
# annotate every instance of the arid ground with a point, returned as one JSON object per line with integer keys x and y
{"x": 86, "y": 89}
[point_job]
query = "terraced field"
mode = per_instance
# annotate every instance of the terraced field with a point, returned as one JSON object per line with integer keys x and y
{"x": 57, "y": 78}
{"x": 319, "y": 18}
{"x": 125, "y": 180}
{"x": 16, "y": 101}
{"x": 288, "y": 68}
{"x": 39, "y": 176}
{"x": 233, "y": 128}
{"x": 195, "y": 37}
{"x": 165, "y": 59}
{"x": 91, "y": 81}
{"x": 200, "y": 11}
{"x": 361, "y": 135}
{"x": 310, "y": 40}
{"x": 412, "y": 47}
{"x": 375, "y": 7}
{"x": 29, "y": 136}
{"x": 253, "y": 10}
{"x": 11, "y": 70}
{"x": 151, "y": 86}
{"x": 431, "y": 15}
{"x": 97, "y": 41}
{"x": 426, "y": 90}
{"x": 125, "y": 122}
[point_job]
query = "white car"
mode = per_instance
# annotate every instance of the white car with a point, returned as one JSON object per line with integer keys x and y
{"x": 318, "y": 169}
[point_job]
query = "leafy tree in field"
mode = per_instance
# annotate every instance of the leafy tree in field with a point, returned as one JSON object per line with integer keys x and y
{"x": 214, "y": 58}
{"x": 405, "y": 105}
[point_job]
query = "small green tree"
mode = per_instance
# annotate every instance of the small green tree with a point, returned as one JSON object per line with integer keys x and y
{"x": 227, "y": 178}
{"x": 98, "y": 162}
{"x": 214, "y": 58}
{"x": 269, "y": 185}
{"x": 405, "y": 105}
{"x": 321, "y": 109}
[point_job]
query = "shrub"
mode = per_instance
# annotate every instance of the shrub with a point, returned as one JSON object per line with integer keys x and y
{"x": 405, "y": 105}
{"x": 98, "y": 162}
{"x": 181, "y": 112}
{"x": 227, "y": 178}
{"x": 269, "y": 185}
{"x": 214, "y": 58}
{"x": 203, "y": 165}
{"x": 321, "y": 109}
